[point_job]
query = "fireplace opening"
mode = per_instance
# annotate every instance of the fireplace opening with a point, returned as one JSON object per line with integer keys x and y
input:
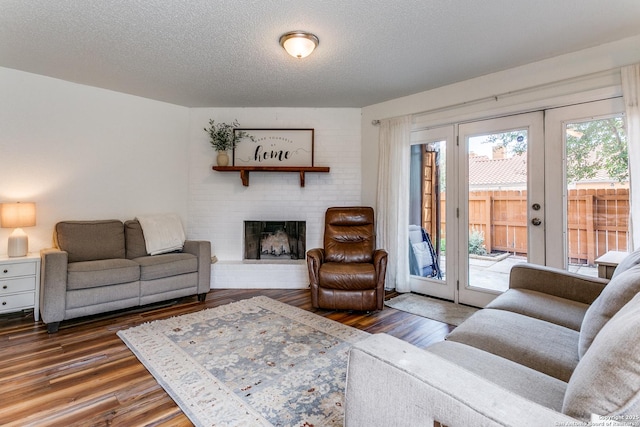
{"x": 274, "y": 240}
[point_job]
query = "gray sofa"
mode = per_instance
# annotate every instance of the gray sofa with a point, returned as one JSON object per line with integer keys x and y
{"x": 553, "y": 350}
{"x": 100, "y": 266}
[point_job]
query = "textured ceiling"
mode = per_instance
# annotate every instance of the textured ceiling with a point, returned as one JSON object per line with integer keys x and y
{"x": 225, "y": 53}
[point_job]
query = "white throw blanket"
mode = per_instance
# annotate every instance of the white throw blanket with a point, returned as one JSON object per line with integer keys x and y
{"x": 162, "y": 233}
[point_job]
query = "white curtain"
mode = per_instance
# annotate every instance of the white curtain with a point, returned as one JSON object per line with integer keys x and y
{"x": 392, "y": 205}
{"x": 631, "y": 93}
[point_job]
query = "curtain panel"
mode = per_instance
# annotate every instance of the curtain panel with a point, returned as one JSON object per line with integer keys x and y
{"x": 631, "y": 94}
{"x": 392, "y": 204}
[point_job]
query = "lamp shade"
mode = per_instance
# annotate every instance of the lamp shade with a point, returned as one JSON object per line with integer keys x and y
{"x": 299, "y": 44}
{"x": 17, "y": 215}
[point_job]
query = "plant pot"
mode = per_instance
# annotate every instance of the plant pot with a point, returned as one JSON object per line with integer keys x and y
{"x": 222, "y": 159}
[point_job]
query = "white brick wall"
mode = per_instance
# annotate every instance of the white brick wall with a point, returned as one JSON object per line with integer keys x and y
{"x": 219, "y": 203}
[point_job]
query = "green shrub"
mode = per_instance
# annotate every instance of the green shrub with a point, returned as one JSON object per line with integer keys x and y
{"x": 476, "y": 243}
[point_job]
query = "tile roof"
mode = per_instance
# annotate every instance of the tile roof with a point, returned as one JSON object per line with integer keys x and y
{"x": 511, "y": 171}
{"x": 486, "y": 171}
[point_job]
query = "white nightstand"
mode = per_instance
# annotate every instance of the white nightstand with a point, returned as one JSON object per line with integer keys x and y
{"x": 20, "y": 284}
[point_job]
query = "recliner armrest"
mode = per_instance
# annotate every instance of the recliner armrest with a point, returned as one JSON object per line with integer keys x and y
{"x": 53, "y": 271}
{"x": 316, "y": 254}
{"x": 380, "y": 264}
{"x": 380, "y": 259}
{"x": 315, "y": 258}
{"x": 557, "y": 282}
{"x": 202, "y": 250}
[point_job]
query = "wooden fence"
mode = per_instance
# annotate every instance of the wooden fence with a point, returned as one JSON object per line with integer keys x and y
{"x": 597, "y": 221}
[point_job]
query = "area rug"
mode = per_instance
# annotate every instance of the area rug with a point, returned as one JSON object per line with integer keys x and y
{"x": 432, "y": 308}
{"x": 255, "y": 362}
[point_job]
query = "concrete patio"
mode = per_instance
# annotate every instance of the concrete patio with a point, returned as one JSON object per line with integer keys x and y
{"x": 488, "y": 273}
{"x": 492, "y": 272}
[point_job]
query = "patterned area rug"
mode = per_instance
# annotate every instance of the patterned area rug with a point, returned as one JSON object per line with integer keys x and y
{"x": 255, "y": 362}
{"x": 432, "y": 308}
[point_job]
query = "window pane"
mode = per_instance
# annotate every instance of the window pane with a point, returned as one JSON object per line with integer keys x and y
{"x": 427, "y": 210}
{"x": 597, "y": 171}
{"x": 497, "y": 207}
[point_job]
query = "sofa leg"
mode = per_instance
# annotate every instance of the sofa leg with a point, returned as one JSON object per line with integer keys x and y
{"x": 202, "y": 297}
{"x": 52, "y": 328}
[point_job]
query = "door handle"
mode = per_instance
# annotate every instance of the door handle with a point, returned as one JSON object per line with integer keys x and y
{"x": 536, "y": 221}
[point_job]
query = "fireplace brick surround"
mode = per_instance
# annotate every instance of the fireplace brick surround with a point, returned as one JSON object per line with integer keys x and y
{"x": 219, "y": 204}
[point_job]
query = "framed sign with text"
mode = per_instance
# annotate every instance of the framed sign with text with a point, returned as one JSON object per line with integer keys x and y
{"x": 274, "y": 147}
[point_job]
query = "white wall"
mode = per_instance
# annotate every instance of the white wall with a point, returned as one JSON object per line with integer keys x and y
{"x": 81, "y": 152}
{"x": 477, "y": 95}
{"x": 219, "y": 203}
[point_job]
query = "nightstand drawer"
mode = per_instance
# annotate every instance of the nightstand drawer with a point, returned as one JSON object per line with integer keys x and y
{"x": 17, "y": 269}
{"x": 18, "y": 301}
{"x": 20, "y": 284}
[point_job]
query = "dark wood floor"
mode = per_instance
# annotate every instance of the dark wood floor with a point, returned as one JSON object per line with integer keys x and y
{"x": 84, "y": 375}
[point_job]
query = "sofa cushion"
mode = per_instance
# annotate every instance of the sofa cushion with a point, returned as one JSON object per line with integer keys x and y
{"x": 90, "y": 240}
{"x": 518, "y": 338}
{"x": 521, "y": 380}
{"x": 607, "y": 379}
{"x": 561, "y": 311}
{"x": 628, "y": 262}
{"x": 93, "y": 274}
{"x": 615, "y": 295}
{"x": 134, "y": 239}
{"x": 165, "y": 265}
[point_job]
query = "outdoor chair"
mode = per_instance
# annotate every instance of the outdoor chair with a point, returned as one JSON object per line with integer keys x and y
{"x": 423, "y": 260}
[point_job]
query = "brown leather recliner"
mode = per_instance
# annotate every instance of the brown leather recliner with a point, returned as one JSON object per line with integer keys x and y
{"x": 348, "y": 273}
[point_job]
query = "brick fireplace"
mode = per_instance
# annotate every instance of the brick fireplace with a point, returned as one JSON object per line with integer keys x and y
{"x": 219, "y": 204}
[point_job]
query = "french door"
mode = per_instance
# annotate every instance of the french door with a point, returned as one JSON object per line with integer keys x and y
{"x": 547, "y": 187}
{"x": 473, "y": 191}
{"x": 501, "y": 202}
{"x": 431, "y": 214}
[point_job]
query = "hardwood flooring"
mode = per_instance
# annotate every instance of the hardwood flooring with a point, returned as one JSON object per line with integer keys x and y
{"x": 84, "y": 375}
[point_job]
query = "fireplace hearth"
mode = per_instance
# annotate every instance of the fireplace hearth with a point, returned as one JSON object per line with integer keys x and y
{"x": 274, "y": 240}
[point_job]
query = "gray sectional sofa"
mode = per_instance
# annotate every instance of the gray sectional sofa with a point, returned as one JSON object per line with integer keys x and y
{"x": 555, "y": 349}
{"x": 100, "y": 266}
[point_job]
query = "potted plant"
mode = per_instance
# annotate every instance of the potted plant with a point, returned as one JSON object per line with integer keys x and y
{"x": 223, "y": 137}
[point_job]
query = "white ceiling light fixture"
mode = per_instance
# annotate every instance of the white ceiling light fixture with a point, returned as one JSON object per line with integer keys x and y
{"x": 299, "y": 44}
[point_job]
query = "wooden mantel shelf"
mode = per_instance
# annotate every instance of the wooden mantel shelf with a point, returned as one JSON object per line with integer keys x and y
{"x": 244, "y": 171}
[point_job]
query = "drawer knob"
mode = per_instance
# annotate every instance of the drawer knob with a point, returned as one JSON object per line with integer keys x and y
{"x": 5, "y": 271}
{"x": 4, "y": 287}
{"x": 4, "y": 303}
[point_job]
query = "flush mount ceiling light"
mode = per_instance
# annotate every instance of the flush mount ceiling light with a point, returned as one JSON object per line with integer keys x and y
{"x": 299, "y": 44}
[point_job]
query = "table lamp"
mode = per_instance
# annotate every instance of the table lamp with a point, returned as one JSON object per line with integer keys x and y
{"x": 17, "y": 215}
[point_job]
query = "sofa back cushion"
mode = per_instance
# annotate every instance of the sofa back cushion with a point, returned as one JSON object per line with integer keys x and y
{"x": 134, "y": 238}
{"x": 90, "y": 240}
{"x": 614, "y": 296}
{"x": 606, "y": 381}
{"x": 628, "y": 262}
